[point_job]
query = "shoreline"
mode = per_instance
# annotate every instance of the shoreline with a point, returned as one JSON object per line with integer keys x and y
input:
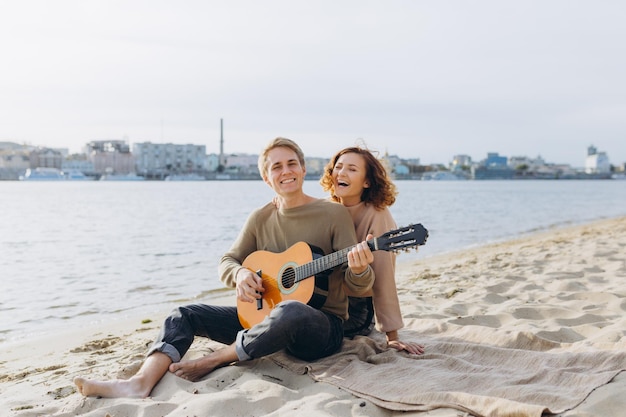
{"x": 225, "y": 296}
{"x": 563, "y": 286}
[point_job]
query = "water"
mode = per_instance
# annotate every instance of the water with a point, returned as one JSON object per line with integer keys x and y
{"x": 77, "y": 253}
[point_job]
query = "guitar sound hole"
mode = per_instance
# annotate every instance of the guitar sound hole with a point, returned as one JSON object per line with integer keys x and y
{"x": 289, "y": 278}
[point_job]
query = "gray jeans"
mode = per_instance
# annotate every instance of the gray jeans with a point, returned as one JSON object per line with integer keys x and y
{"x": 303, "y": 331}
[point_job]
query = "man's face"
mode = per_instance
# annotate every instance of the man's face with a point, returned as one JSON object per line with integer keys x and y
{"x": 285, "y": 174}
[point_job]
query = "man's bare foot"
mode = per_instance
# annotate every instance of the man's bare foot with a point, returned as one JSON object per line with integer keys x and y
{"x": 138, "y": 386}
{"x": 193, "y": 370}
{"x": 111, "y": 389}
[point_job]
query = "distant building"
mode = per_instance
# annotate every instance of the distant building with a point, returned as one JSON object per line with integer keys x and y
{"x": 212, "y": 162}
{"x": 494, "y": 160}
{"x": 392, "y": 160}
{"x": 315, "y": 166}
{"x": 412, "y": 161}
{"x": 162, "y": 159}
{"x": 460, "y": 161}
{"x": 531, "y": 164}
{"x": 401, "y": 170}
{"x": 108, "y": 145}
{"x": 241, "y": 164}
{"x": 492, "y": 173}
{"x": 562, "y": 171}
{"x": 597, "y": 162}
{"x": 13, "y": 163}
{"x": 494, "y": 167}
{"x": 110, "y": 157}
{"x": 397, "y": 167}
{"x": 80, "y": 163}
{"x": 46, "y": 158}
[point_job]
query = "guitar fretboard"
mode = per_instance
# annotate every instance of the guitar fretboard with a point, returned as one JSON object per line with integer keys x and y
{"x": 394, "y": 240}
{"x": 326, "y": 262}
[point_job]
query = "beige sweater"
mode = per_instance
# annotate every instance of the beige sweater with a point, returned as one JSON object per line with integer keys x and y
{"x": 321, "y": 223}
{"x": 367, "y": 219}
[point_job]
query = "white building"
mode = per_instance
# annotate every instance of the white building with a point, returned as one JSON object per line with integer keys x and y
{"x": 241, "y": 163}
{"x": 532, "y": 163}
{"x": 13, "y": 163}
{"x": 154, "y": 159}
{"x": 212, "y": 162}
{"x": 110, "y": 156}
{"x": 460, "y": 161}
{"x": 597, "y": 162}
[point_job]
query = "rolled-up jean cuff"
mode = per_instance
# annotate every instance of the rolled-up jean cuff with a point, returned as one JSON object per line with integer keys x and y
{"x": 167, "y": 349}
{"x": 241, "y": 353}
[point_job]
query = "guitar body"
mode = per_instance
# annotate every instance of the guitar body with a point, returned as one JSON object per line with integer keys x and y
{"x": 276, "y": 270}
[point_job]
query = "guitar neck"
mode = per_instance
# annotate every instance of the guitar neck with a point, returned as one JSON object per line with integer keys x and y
{"x": 327, "y": 262}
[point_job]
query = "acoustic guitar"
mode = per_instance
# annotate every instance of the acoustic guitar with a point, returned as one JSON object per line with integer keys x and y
{"x": 286, "y": 275}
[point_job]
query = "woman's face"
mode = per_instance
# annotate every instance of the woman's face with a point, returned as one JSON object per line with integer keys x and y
{"x": 349, "y": 178}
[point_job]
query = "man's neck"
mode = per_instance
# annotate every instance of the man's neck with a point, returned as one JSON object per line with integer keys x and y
{"x": 292, "y": 201}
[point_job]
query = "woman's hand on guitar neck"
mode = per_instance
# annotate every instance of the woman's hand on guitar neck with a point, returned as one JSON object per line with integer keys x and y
{"x": 249, "y": 286}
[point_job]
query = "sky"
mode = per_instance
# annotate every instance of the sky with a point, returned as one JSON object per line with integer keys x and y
{"x": 418, "y": 79}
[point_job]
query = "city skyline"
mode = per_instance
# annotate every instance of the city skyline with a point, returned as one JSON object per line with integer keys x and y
{"x": 423, "y": 79}
{"x": 400, "y": 156}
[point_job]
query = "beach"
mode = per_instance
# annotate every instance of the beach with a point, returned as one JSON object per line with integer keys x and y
{"x": 525, "y": 327}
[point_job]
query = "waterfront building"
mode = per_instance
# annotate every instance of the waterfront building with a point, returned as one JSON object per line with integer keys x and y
{"x": 491, "y": 173}
{"x": 78, "y": 163}
{"x": 552, "y": 171}
{"x": 110, "y": 157}
{"x": 460, "y": 161}
{"x": 13, "y": 163}
{"x": 401, "y": 170}
{"x": 531, "y": 164}
{"x": 597, "y": 162}
{"x": 494, "y": 167}
{"x": 315, "y": 166}
{"x": 495, "y": 160}
{"x": 158, "y": 160}
{"x": 46, "y": 158}
{"x": 241, "y": 164}
{"x": 212, "y": 162}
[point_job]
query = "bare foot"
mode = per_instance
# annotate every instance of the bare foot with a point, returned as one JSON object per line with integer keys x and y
{"x": 193, "y": 370}
{"x": 137, "y": 386}
{"x": 111, "y": 389}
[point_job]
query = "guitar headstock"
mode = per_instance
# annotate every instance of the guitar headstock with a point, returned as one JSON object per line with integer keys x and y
{"x": 402, "y": 238}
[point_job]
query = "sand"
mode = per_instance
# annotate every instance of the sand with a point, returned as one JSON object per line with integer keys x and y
{"x": 564, "y": 288}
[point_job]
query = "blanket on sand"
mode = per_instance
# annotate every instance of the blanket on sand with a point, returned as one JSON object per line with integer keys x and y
{"x": 491, "y": 374}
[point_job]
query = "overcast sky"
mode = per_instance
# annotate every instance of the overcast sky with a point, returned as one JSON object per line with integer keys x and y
{"x": 418, "y": 79}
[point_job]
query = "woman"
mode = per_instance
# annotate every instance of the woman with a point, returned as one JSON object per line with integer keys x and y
{"x": 358, "y": 180}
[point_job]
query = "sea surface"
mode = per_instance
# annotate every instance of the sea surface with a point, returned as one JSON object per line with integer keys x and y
{"x": 81, "y": 253}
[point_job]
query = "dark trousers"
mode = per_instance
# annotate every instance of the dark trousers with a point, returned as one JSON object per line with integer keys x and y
{"x": 303, "y": 331}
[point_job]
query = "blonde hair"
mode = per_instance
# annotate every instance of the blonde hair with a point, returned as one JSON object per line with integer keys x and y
{"x": 276, "y": 143}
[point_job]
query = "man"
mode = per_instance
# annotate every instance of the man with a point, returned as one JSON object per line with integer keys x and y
{"x": 304, "y": 331}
